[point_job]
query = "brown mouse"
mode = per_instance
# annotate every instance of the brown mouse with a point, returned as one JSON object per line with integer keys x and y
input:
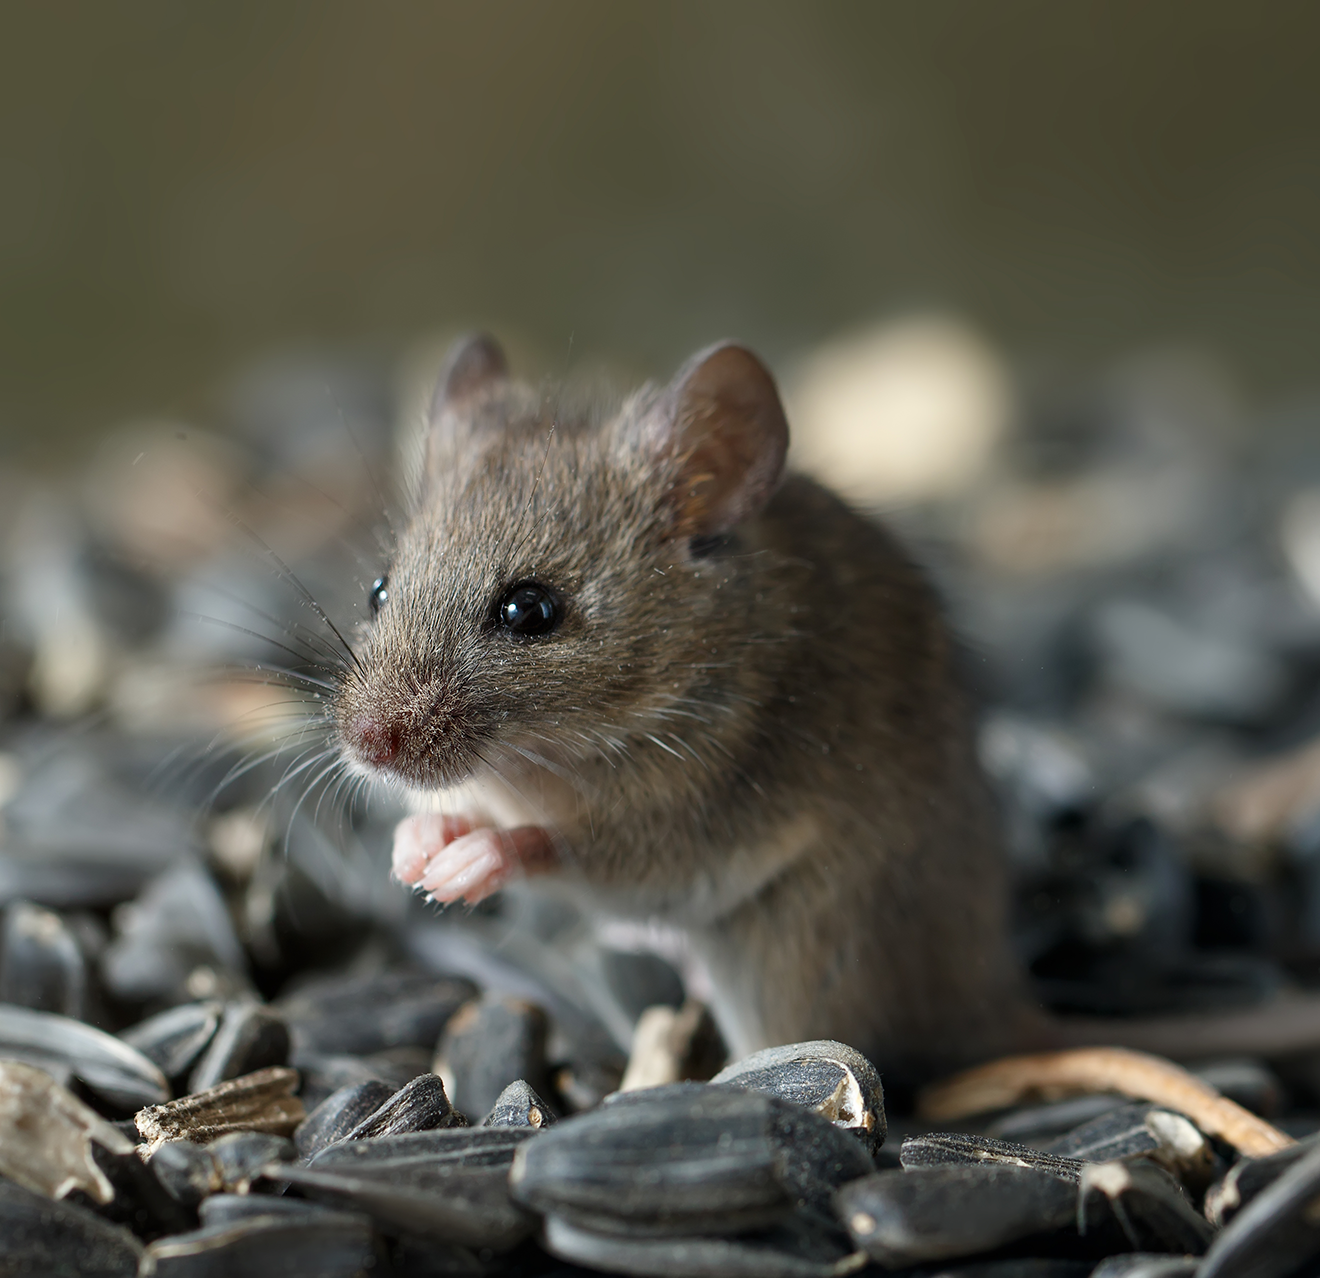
{"x": 645, "y": 667}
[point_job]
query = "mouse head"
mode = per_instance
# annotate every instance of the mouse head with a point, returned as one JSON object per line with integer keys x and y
{"x": 573, "y": 584}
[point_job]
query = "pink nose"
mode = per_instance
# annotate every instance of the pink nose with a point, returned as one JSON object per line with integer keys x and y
{"x": 374, "y": 739}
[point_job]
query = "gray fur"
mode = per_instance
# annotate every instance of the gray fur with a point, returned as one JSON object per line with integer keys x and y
{"x": 765, "y": 746}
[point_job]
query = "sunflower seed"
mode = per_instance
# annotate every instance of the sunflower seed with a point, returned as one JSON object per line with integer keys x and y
{"x": 179, "y": 923}
{"x": 250, "y": 1037}
{"x": 518, "y": 1106}
{"x": 938, "y": 1149}
{"x": 687, "y": 1158}
{"x": 121, "y": 1077}
{"x": 1248, "y": 1177}
{"x": 61, "y": 1239}
{"x": 1147, "y": 1264}
{"x": 416, "y": 1107}
{"x": 259, "y": 1102}
{"x": 46, "y": 1136}
{"x": 41, "y": 963}
{"x": 940, "y": 1213}
{"x": 186, "y": 1171}
{"x": 324, "y": 1075}
{"x": 172, "y": 1040}
{"x": 1037, "y": 1124}
{"x": 272, "y": 1246}
{"x": 1016, "y": 1267}
{"x": 77, "y": 837}
{"x": 220, "y": 1209}
{"x": 799, "y": 1248}
{"x": 830, "y": 1078}
{"x": 141, "y": 1202}
{"x": 449, "y": 1185}
{"x": 1142, "y": 1131}
{"x": 338, "y": 1114}
{"x": 241, "y": 1155}
{"x": 489, "y": 1044}
{"x": 447, "y": 1148}
{"x": 1149, "y": 1207}
{"x": 354, "y": 1017}
{"x": 1277, "y": 1233}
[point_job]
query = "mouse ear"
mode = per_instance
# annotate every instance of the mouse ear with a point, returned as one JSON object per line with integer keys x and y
{"x": 721, "y": 420}
{"x": 474, "y": 362}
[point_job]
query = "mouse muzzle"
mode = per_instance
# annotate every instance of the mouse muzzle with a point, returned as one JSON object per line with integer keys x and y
{"x": 422, "y": 736}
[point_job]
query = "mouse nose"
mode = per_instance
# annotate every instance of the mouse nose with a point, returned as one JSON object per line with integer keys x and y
{"x": 375, "y": 739}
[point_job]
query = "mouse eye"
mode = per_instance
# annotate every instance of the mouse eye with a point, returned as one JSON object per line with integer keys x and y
{"x": 379, "y": 594}
{"x": 528, "y": 610}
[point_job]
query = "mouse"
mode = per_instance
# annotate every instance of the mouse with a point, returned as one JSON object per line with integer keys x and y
{"x": 630, "y": 658}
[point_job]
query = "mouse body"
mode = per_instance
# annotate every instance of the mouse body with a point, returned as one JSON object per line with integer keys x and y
{"x": 634, "y": 662}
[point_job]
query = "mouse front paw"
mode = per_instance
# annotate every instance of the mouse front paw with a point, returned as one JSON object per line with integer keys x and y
{"x": 417, "y": 839}
{"x": 452, "y": 859}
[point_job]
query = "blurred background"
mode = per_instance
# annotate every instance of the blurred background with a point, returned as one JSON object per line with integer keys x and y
{"x": 1041, "y": 282}
{"x": 184, "y": 189}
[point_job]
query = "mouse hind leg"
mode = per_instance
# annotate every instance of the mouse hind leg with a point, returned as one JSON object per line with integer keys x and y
{"x": 824, "y": 953}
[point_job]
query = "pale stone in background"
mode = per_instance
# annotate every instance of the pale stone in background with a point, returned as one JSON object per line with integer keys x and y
{"x": 906, "y": 411}
{"x": 1299, "y": 531}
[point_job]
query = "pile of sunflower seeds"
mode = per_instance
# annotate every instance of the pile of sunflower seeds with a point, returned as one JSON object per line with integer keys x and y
{"x": 234, "y": 1160}
{"x": 229, "y": 1044}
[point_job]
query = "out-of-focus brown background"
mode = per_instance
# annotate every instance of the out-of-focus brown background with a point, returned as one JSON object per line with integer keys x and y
{"x": 184, "y": 188}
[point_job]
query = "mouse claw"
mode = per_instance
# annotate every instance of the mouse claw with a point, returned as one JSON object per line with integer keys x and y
{"x": 478, "y": 864}
{"x": 419, "y": 839}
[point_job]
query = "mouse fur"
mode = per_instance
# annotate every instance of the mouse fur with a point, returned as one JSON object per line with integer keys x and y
{"x": 746, "y": 723}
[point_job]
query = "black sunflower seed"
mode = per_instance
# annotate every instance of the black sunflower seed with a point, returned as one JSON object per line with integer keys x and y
{"x": 174, "y": 1039}
{"x": 338, "y": 1114}
{"x": 1277, "y": 1233}
{"x": 112, "y": 1070}
{"x": 250, "y": 1037}
{"x": 830, "y": 1078}
{"x": 272, "y": 1246}
{"x": 687, "y": 1158}
{"x": 61, "y": 1239}
{"x": 519, "y": 1106}
{"x": 941, "y": 1213}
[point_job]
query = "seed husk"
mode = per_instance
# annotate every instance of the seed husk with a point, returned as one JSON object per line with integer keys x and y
{"x": 46, "y": 1136}
{"x": 259, "y": 1102}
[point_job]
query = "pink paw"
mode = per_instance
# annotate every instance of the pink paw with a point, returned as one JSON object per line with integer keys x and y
{"x": 419, "y": 838}
{"x": 451, "y": 859}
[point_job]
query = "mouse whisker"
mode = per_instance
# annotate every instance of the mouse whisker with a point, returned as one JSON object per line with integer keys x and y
{"x": 239, "y": 770}
{"x": 498, "y": 772}
{"x": 248, "y": 764}
{"x": 329, "y": 791}
{"x": 651, "y": 737}
{"x": 564, "y": 774}
{"x": 677, "y": 712}
{"x": 594, "y": 748}
{"x": 292, "y": 629}
{"x": 617, "y": 744}
{"x": 296, "y": 734}
{"x": 328, "y": 770}
{"x": 306, "y": 760}
{"x": 562, "y": 846}
{"x": 686, "y": 745}
{"x": 505, "y": 780}
{"x": 284, "y": 678}
{"x": 288, "y": 575}
{"x": 255, "y": 634}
